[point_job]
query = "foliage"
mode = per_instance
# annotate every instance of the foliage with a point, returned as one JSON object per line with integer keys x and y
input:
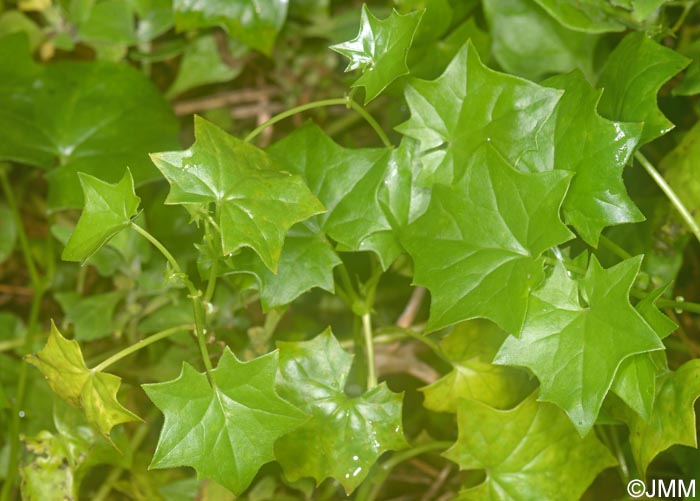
{"x": 504, "y": 283}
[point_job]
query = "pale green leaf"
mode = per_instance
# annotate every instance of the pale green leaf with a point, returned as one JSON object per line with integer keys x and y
{"x": 109, "y": 209}
{"x": 681, "y": 169}
{"x": 576, "y": 335}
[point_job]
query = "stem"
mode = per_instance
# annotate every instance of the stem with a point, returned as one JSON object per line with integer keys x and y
{"x": 670, "y": 194}
{"x": 678, "y": 305}
{"x": 195, "y": 296}
{"x": 369, "y": 345}
{"x": 614, "y": 248}
{"x": 13, "y": 460}
{"x": 211, "y": 285}
{"x": 21, "y": 234}
{"x": 140, "y": 345}
{"x": 341, "y": 101}
{"x": 392, "y": 462}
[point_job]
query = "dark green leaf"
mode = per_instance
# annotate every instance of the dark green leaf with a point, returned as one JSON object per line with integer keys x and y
{"x": 344, "y": 436}
{"x": 469, "y": 105}
{"x": 91, "y": 316}
{"x": 255, "y": 201}
{"x": 477, "y": 247}
{"x": 348, "y": 183}
{"x": 109, "y": 209}
{"x": 529, "y": 452}
{"x": 631, "y": 78}
{"x": 576, "y": 335}
{"x": 253, "y": 22}
{"x": 225, "y": 431}
{"x": 70, "y": 117}
{"x": 380, "y": 49}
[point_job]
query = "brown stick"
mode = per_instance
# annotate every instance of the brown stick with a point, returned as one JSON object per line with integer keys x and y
{"x": 411, "y": 310}
{"x": 237, "y": 96}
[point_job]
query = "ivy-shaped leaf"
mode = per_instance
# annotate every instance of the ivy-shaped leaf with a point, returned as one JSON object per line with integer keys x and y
{"x": 256, "y": 201}
{"x": 471, "y": 347}
{"x": 597, "y": 197}
{"x": 108, "y": 209}
{"x": 307, "y": 261}
{"x": 672, "y": 419}
{"x": 477, "y": 248}
{"x": 70, "y": 117}
{"x": 345, "y": 435}
{"x": 635, "y": 381}
{"x": 469, "y": 105}
{"x": 631, "y": 78}
{"x": 62, "y": 364}
{"x": 589, "y": 16}
{"x": 348, "y": 183}
{"x": 529, "y": 452}
{"x": 380, "y": 49}
{"x": 253, "y": 22}
{"x": 224, "y": 430}
{"x": 576, "y": 335}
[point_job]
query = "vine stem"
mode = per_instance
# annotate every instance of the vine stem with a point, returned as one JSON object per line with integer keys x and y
{"x": 369, "y": 345}
{"x": 140, "y": 345}
{"x": 670, "y": 194}
{"x": 392, "y": 462}
{"x": 195, "y": 295}
{"x": 340, "y": 101}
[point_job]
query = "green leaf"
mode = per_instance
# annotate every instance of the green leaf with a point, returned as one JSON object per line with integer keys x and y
{"x": 47, "y": 471}
{"x": 91, "y": 316}
{"x": 70, "y": 117}
{"x": 469, "y": 105}
{"x": 682, "y": 172}
{"x": 529, "y": 452}
{"x": 62, "y": 364}
{"x": 253, "y": 22}
{"x": 576, "y": 335}
{"x": 307, "y": 261}
{"x": 8, "y": 232}
{"x": 255, "y": 201}
{"x": 225, "y": 431}
{"x": 590, "y": 16}
{"x": 109, "y": 209}
{"x": 471, "y": 347}
{"x": 348, "y": 183}
{"x": 672, "y": 419}
{"x": 477, "y": 247}
{"x": 597, "y": 197}
{"x": 380, "y": 49}
{"x": 631, "y": 78}
{"x": 201, "y": 65}
{"x": 529, "y": 43}
{"x": 344, "y": 436}
{"x": 109, "y": 22}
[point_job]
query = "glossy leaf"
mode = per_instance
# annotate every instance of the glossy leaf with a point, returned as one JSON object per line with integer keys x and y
{"x": 469, "y": 105}
{"x": 255, "y": 201}
{"x": 672, "y": 419}
{"x": 529, "y": 43}
{"x": 224, "y": 430}
{"x": 380, "y": 49}
{"x": 307, "y": 261}
{"x": 348, "y": 183}
{"x": 344, "y": 436}
{"x": 529, "y": 452}
{"x": 471, "y": 347}
{"x": 253, "y": 22}
{"x": 631, "y": 79}
{"x": 590, "y": 16}
{"x": 597, "y": 197}
{"x": 109, "y": 209}
{"x": 477, "y": 247}
{"x": 68, "y": 117}
{"x": 576, "y": 335}
{"x": 62, "y": 364}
